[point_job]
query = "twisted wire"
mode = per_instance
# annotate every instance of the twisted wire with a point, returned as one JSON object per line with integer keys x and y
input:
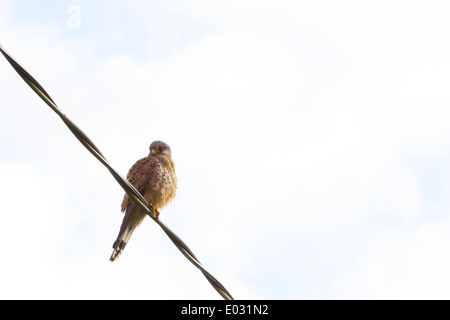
{"x": 134, "y": 194}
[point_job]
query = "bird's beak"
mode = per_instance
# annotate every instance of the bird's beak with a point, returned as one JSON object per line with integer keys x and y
{"x": 153, "y": 151}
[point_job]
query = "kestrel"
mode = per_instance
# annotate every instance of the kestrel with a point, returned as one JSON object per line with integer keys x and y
{"x": 154, "y": 177}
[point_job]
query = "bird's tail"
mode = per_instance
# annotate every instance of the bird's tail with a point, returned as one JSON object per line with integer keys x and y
{"x": 120, "y": 243}
{"x": 129, "y": 223}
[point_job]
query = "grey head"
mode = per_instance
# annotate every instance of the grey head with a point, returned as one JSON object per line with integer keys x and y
{"x": 160, "y": 147}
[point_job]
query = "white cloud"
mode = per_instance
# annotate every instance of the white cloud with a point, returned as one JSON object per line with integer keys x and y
{"x": 293, "y": 127}
{"x": 410, "y": 265}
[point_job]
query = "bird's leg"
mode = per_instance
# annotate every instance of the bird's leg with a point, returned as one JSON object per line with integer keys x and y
{"x": 155, "y": 210}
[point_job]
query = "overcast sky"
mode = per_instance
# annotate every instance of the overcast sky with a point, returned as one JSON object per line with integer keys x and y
{"x": 311, "y": 142}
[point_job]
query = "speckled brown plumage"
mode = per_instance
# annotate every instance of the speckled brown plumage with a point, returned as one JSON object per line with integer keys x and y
{"x": 154, "y": 177}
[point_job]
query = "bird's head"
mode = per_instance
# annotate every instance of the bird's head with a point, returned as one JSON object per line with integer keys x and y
{"x": 160, "y": 147}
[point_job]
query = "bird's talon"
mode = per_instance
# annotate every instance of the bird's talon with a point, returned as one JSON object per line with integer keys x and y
{"x": 155, "y": 211}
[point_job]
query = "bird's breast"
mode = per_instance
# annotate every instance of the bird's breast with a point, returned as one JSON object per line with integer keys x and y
{"x": 165, "y": 189}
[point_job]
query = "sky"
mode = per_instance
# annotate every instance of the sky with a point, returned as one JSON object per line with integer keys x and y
{"x": 311, "y": 141}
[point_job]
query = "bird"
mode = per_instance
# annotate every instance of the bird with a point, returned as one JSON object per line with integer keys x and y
{"x": 154, "y": 177}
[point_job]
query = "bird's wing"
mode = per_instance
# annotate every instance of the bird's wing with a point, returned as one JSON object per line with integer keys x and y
{"x": 145, "y": 174}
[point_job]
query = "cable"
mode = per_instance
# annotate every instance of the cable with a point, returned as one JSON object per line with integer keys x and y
{"x": 134, "y": 194}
